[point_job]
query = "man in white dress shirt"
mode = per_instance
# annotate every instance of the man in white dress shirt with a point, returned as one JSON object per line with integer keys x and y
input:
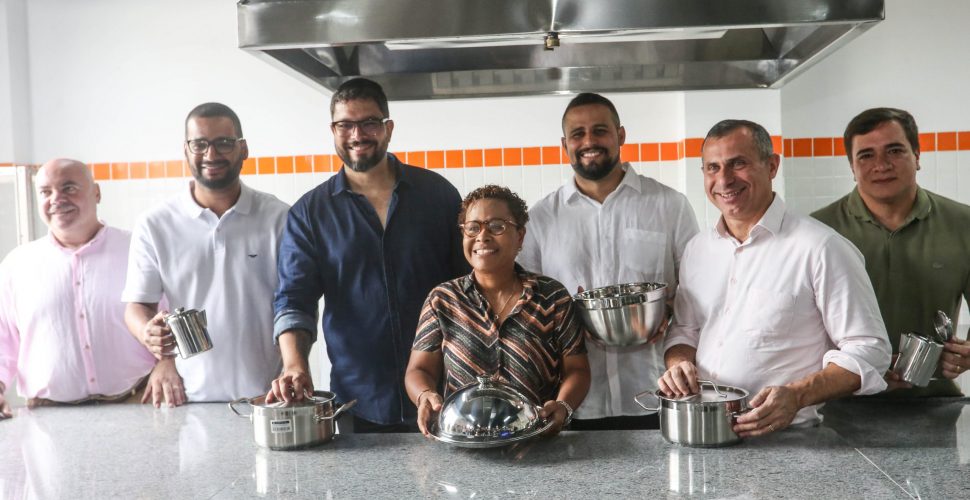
{"x": 773, "y": 302}
{"x": 212, "y": 247}
{"x": 608, "y": 226}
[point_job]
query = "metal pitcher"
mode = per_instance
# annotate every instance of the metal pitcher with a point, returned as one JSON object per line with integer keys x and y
{"x": 189, "y": 329}
{"x": 918, "y": 357}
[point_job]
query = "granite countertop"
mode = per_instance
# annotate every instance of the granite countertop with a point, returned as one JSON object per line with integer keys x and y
{"x": 865, "y": 449}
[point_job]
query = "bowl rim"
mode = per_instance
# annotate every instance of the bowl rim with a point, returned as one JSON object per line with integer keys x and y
{"x": 589, "y": 299}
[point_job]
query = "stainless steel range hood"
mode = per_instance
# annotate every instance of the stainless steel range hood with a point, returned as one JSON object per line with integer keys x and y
{"x": 431, "y": 49}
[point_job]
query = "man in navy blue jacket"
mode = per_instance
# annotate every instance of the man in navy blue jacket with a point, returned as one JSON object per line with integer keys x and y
{"x": 373, "y": 240}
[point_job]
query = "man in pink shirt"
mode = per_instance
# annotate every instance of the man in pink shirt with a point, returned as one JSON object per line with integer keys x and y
{"x": 62, "y": 330}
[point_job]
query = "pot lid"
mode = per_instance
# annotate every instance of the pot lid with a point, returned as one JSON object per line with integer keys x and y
{"x": 318, "y": 397}
{"x": 714, "y": 394}
{"x": 488, "y": 413}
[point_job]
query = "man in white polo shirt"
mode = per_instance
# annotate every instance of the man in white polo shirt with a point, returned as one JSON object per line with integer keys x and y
{"x": 608, "y": 226}
{"x": 212, "y": 247}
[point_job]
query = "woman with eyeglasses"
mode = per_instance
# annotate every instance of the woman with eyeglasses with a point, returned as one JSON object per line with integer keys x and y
{"x": 500, "y": 321}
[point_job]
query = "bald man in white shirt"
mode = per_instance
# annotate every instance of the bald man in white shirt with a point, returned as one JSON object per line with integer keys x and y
{"x": 770, "y": 301}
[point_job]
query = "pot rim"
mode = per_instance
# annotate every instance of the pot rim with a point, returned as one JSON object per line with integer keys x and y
{"x": 924, "y": 338}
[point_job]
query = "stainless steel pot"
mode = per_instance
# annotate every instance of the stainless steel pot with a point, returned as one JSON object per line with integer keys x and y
{"x": 189, "y": 329}
{"x": 294, "y": 425}
{"x": 623, "y": 315}
{"x": 917, "y": 360}
{"x": 704, "y": 419}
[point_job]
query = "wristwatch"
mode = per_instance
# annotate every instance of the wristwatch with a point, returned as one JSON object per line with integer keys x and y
{"x": 569, "y": 412}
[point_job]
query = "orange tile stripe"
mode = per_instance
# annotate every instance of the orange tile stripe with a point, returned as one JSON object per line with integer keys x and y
{"x": 792, "y": 147}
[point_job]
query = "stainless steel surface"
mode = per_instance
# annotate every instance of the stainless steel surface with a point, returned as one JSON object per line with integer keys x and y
{"x": 943, "y": 326}
{"x": 623, "y": 315}
{"x": 190, "y": 331}
{"x": 918, "y": 357}
{"x": 432, "y": 49}
{"x": 704, "y": 419}
{"x": 487, "y": 414}
{"x": 293, "y": 425}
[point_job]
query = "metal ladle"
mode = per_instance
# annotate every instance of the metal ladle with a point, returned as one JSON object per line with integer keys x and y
{"x": 943, "y": 326}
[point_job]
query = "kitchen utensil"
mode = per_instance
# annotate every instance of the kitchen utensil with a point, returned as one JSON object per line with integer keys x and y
{"x": 943, "y": 326}
{"x": 189, "y": 329}
{"x": 487, "y": 414}
{"x": 704, "y": 419}
{"x": 917, "y": 359}
{"x": 293, "y": 425}
{"x": 623, "y": 315}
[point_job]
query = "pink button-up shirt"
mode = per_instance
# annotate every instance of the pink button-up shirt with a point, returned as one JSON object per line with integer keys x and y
{"x": 62, "y": 327}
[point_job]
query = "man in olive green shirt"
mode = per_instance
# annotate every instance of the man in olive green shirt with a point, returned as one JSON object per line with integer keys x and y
{"x": 916, "y": 243}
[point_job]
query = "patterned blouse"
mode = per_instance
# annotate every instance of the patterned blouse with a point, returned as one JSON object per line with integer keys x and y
{"x": 526, "y": 352}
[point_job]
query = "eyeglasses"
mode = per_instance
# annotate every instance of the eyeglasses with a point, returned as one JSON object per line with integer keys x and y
{"x": 370, "y": 126}
{"x": 223, "y": 145}
{"x": 494, "y": 226}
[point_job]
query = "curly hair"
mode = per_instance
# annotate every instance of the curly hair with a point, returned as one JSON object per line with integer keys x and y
{"x": 520, "y": 211}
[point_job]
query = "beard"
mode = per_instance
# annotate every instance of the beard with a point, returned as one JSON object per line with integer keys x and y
{"x": 365, "y": 162}
{"x": 231, "y": 176}
{"x": 596, "y": 170}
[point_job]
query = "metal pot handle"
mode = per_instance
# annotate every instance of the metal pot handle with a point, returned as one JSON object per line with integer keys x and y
{"x": 232, "y": 406}
{"x": 645, "y": 407}
{"x": 343, "y": 407}
{"x": 735, "y": 414}
{"x": 713, "y": 386}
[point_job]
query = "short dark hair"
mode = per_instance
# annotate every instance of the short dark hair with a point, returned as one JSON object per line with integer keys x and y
{"x": 520, "y": 211}
{"x": 762, "y": 139}
{"x": 358, "y": 89}
{"x": 214, "y": 110}
{"x": 587, "y": 98}
{"x": 868, "y": 120}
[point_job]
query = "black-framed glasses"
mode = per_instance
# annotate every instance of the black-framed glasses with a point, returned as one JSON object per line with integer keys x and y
{"x": 496, "y": 227}
{"x": 223, "y": 145}
{"x": 370, "y": 126}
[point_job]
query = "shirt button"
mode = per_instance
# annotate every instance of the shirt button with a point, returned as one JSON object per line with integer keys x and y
{"x": 87, "y": 346}
{"x": 77, "y": 283}
{"x": 81, "y": 315}
{"x": 92, "y": 379}
{"x": 734, "y": 281}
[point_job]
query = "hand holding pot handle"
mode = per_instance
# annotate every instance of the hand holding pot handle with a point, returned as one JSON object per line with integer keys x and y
{"x": 158, "y": 337}
{"x": 955, "y": 358}
{"x": 679, "y": 380}
{"x": 292, "y": 385}
{"x": 556, "y": 411}
{"x": 774, "y": 409}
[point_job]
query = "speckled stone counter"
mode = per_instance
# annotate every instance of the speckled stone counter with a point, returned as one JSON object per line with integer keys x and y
{"x": 868, "y": 449}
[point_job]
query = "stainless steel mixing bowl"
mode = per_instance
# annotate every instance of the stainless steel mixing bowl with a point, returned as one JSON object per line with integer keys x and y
{"x": 623, "y": 315}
